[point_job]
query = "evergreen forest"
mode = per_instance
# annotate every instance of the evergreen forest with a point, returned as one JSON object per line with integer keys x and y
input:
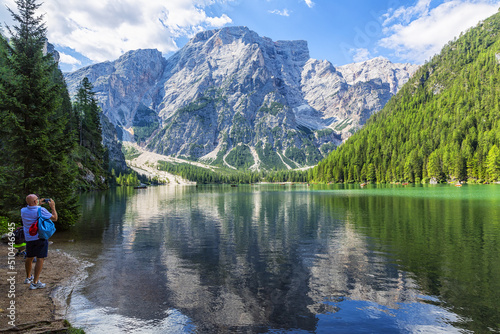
{"x": 443, "y": 125}
{"x": 50, "y": 146}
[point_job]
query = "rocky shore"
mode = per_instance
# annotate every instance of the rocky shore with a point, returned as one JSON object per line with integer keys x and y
{"x": 43, "y": 310}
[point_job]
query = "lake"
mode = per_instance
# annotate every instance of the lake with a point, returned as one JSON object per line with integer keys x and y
{"x": 288, "y": 259}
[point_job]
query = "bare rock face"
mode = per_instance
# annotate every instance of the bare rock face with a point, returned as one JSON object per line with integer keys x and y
{"x": 350, "y": 94}
{"x": 230, "y": 96}
{"x": 123, "y": 85}
{"x": 49, "y": 48}
{"x": 396, "y": 75}
{"x": 113, "y": 144}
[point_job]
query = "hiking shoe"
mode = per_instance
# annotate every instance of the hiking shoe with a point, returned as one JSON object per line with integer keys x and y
{"x": 29, "y": 280}
{"x": 38, "y": 285}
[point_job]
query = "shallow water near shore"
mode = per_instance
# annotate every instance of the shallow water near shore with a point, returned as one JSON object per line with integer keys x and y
{"x": 288, "y": 258}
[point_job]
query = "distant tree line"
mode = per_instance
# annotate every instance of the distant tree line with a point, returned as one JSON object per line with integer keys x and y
{"x": 128, "y": 179}
{"x": 206, "y": 176}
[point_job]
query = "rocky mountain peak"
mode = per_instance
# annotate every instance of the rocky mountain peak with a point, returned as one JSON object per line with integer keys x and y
{"x": 226, "y": 35}
{"x": 231, "y": 93}
{"x": 396, "y": 75}
{"x": 212, "y": 40}
{"x": 49, "y": 48}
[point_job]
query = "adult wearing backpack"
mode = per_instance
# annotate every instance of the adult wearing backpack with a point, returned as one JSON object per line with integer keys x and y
{"x": 35, "y": 247}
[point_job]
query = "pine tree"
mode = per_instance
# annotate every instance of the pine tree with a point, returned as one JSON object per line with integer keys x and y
{"x": 33, "y": 101}
{"x": 434, "y": 166}
{"x": 87, "y": 121}
{"x": 8, "y": 169}
{"x": 493, "y": 163}
{"x": 87, "y": 112}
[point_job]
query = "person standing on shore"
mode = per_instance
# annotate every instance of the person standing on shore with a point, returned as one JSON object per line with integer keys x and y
{"x": 35, "y": 247}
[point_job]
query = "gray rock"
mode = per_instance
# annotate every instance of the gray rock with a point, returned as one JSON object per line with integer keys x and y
{"x": 121, "y": 86}
{"x": 49, "y": 48}
{"x": 231, "y": 87}
{"x": 113, "y": 144}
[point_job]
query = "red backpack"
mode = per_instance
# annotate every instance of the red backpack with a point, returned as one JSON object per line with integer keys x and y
{"x": 33, "y": 228}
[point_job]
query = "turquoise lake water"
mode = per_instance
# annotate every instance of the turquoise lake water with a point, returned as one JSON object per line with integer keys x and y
{"x": 288, "y": 259}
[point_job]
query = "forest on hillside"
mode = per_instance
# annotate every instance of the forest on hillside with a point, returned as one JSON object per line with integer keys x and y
{"x": 444, "y": 124}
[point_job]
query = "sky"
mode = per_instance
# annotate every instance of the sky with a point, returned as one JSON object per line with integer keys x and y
{"x": 340, "y": 31}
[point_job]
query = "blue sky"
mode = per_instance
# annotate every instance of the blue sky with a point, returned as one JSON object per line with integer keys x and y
{"x": 341, "y": 31}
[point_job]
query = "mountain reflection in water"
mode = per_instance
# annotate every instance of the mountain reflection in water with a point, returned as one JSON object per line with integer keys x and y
{"x": 250, "y": 259}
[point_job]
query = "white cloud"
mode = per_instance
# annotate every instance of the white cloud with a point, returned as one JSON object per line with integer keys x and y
{"x": 68, "y": 63}
{"x": 67, "y": 59}
{"x": 218, "y": 22}
{"x": 309, "y": 3}
{"x": 417, "y": 33}
{"x": 360, "y": 55}
{"x": 405, "y": 14}
{"x": 283, "y": 12}
{"x": 5, "y": 16}
{"x": 104, "y": 29}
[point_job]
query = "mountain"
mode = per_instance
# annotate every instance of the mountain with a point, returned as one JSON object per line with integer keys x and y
{"x": 231, "y": 97}
{"x": 443, "y": 125}
{"x": 352, "y": 93}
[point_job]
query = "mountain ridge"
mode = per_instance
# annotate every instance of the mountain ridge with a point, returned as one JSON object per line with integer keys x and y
{"x": 230, "y": 87}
